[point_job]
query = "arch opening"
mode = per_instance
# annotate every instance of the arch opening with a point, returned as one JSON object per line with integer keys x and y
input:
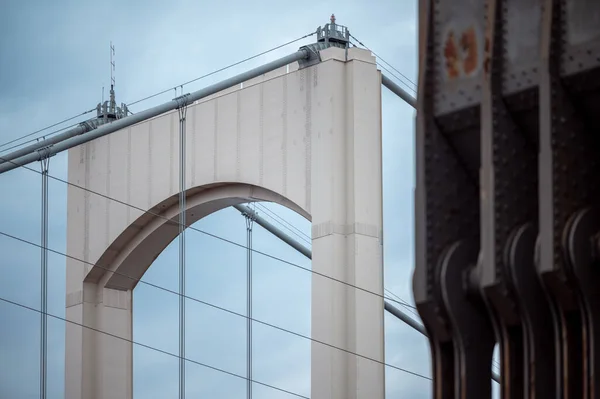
{"x": 216, "y": 277}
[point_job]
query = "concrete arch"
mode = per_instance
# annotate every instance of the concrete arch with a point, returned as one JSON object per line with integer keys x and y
{"x": 309, "y": 139}
{"x": 134, "y": 257}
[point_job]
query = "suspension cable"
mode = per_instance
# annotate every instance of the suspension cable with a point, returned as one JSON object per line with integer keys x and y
{"x": 224, "y": 68}
{"x": 287, "y": 225}
{"x": 206, "y": 233}
{"x": 249, "y": 225}
{"x": 212, "y": 305}
{"x": 182, "y": 109}
{"x": 411, "y": 308}
{"x": 35, "y": 139}
{"x": 414, "y": 85}
{"x": 152, "y": 348}
{"x": 41, "y": 130}
{"x": 44, "y": 165}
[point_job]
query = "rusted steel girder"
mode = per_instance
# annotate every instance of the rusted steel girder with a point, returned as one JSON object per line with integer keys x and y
{"x": 507, "y": 206}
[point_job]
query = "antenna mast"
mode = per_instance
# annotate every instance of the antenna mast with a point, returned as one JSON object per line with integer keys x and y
{"x": 107, "y": 111}
{"x": 113, "y": 104}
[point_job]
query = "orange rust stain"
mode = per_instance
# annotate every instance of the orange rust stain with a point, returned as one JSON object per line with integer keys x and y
{"x": 462, "y": 57}
{"x": 468, "y": 44}
{"x": 452, "y": 56}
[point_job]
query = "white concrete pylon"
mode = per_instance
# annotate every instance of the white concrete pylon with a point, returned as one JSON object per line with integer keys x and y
{"x": 307, "y": 139}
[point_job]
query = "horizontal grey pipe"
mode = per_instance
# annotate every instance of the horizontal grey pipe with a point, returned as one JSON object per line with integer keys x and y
{"x": 275, "y": 231}
{"x": 76, "y": 131}
{"x": 402, "y": 316}
{"x": 65, "y": 140}
{"x": 308, "y": 253}
{"x": 399, "y": 91}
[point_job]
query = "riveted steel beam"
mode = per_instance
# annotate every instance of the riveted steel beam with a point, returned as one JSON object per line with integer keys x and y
{"x": 451, "y": 47}
{"x": 569, "y": 194}
{"x": 516, "y": 301}
{"x": 507, "y": 204}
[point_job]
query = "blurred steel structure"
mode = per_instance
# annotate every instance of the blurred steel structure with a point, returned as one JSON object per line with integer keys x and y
{"x": 507, "y": 219}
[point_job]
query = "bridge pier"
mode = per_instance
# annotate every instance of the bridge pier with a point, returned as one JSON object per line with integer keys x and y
{"x": 347, "y": 227}
{"x": 102, "y": 368}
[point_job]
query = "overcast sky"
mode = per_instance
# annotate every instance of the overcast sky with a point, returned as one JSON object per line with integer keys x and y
{"x": 54, "y": 61}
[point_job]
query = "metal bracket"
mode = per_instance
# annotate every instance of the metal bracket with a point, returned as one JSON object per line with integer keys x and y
{"x": 314, "y": 50}
{"x": 250, "y": 218}
{"x": 45, "y": 154}
{"x": 313, "y": 55}
{"x": 182, "y": 101}
{"x": 91, "y": 124}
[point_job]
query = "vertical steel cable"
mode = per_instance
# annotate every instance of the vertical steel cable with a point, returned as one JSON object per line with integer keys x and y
{"x": 44, "y": 164}
{"x": 249, "y": 223}
{"x": 182, "y": 224}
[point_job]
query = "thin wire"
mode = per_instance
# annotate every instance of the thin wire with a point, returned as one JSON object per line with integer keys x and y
{"x": 149, "y": 347}
{"x": 392, "y": 74}
{"x": 494, "y": 361}
{"x": 410, "y": 307}
{"x": 33, "y": 140}
{"x": 145, "y": 98}
{"x": 222, "y": 69}
{"x": 403, "y": 75}
{"x": 284, "y": 223}
{"x": 46, "y": 128}
{"x": 139, "y": 280}
{"x": 242, "y": 246}
{"x": 249, "y": 248}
